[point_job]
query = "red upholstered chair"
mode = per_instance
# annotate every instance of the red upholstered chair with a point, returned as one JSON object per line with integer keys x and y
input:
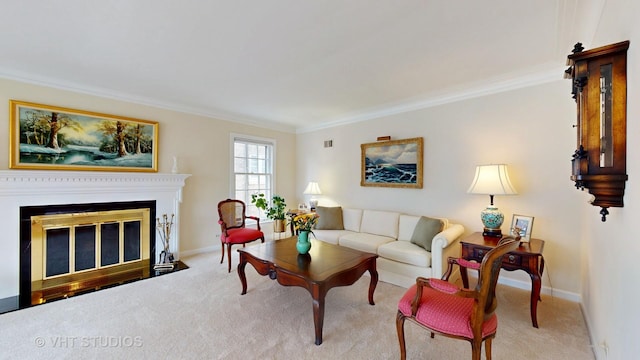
{"x": 443, "y": 308}
{"x": 232, "y": 223}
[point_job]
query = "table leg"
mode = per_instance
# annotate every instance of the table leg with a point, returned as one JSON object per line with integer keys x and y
{"x": 541, "y": 271}
{"x": 243, "y": 278}
{"x": 318, "y": 313}
{"x": 374, "y": 282}
{"x": 536, "y": 284}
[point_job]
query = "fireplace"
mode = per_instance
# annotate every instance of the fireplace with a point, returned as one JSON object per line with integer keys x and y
{"x": 75, "y": 248}
{"x": 27, "y": 188}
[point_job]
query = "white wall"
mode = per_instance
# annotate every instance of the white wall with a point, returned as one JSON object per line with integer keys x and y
{"x": 610, "y": 263}
{"x": 200, "y": 143}
{"x": 529, "y": 129}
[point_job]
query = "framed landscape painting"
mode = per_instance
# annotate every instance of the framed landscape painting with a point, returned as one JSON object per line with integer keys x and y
{"x": 395, "y": 163}
{"x": 44, "y": 137}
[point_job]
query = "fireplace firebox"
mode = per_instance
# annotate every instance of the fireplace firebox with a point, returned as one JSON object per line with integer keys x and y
{"x": 70, "y": 249}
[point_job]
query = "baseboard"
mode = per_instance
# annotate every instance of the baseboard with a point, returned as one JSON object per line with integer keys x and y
{"x": 200, "y": 250}
{"x": 597, "y": 351}
{"x": 214, "y": 248}
{"x": 9, "y": 304}
{"x": 526, "y": 285}
{"x": 562, "y": 294}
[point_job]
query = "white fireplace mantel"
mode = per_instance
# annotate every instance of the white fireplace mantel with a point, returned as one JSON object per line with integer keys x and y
{"x": 35, "y": 188}
{"x": 21, "y": 182}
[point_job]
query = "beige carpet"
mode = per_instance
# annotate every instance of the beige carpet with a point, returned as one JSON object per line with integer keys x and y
{"x": 199, "y": 313}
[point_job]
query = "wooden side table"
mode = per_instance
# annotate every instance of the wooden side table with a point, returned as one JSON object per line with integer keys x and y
{"x": 527, "y": 257}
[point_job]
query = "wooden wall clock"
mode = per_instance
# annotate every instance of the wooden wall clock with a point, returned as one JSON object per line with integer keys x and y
{"x": 599, "y": 87}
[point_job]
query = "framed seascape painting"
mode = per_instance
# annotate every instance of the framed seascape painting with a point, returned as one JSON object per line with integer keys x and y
{"x": 395, "y": 163}
{"x": 44, "y": 137}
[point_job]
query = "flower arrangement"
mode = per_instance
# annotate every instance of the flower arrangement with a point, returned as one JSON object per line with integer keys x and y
{"x": 305, "y": 222}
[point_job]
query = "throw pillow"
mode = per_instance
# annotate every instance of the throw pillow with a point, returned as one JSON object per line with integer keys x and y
{"x": 425, "y": 230}
{"x": 330, "y": 218}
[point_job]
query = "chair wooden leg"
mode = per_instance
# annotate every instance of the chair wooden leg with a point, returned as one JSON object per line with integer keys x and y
{"x": 487, "y": 348}
{"x": 400, "y": 329}
{"x": 476, "y": 349}
{"x": 229, "y": 256}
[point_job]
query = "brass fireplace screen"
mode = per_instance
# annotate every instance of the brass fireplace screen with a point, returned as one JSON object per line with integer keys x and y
{"x": 73, "y": 247}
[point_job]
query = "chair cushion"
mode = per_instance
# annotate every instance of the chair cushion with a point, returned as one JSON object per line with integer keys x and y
{"x": 446, "y": 313}
{"x": 469, "y": 264}
{"x": 425, "y": 230}
{"x": 241, "y": 236}
{"x": 330, "y": 218}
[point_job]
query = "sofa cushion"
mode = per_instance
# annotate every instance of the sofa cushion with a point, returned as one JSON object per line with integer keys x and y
{"x": 408, "y": 224}
{"x": 406, "y": 227}
{"x": 383, "y": 223}
{"x": 405, "y": 252}
{"x": 330, "y": 236}
{"x": 364, "y": 242}
{"x": 351, "y": 219}
{"x": 330, "y": 218}
{"x": 425, "y": 230}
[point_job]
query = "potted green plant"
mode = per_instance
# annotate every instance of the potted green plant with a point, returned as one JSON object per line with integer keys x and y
{"x": 275, "y": 211}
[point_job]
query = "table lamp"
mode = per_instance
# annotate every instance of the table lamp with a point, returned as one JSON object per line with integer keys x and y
{"x": 312, "y": 189}
{"x": 492, "y": 180}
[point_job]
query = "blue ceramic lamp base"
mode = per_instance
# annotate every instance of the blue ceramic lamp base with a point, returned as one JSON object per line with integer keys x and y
{"x": 492, "y": 219}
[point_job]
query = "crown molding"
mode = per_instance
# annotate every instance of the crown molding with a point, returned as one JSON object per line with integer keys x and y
{"x": 460, "y": 93}
{"x": 470, "y": 91}
{"x": 141, "y": 100}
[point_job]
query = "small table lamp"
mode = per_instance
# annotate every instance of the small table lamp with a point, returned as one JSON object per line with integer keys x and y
{"x": 492, "y": 180}
{"x": 312, "y": 189}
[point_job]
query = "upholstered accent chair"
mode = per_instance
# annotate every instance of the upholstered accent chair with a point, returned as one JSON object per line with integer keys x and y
{"x": 444, "y": 308}
{"x": 232, "y": 215}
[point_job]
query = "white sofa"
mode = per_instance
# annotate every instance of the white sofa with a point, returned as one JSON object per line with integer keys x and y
{"x": 388, "y": 234}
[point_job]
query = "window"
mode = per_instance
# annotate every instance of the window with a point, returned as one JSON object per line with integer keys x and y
{"x": 252, "y": 170}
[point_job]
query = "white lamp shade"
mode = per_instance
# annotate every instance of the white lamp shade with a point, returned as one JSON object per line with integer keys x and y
{"x": 492, "y": 180}
{"x": 312, "y": 189}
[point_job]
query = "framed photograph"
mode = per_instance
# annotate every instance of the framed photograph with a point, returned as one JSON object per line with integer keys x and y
{"x": 521, "y": 224}
{"x": 395, "y": 163}
{"x": 45, "y": 137}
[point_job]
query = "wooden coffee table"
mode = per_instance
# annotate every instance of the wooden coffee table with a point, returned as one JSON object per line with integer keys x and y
{"x": 324, "y": 267}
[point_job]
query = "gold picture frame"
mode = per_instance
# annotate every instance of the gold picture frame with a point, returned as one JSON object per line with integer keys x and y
{"x": 45, "y": 137}
{"x": 395, "y": 163}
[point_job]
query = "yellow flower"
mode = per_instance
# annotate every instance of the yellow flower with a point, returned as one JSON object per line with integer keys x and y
{"x": 305, "y": 222}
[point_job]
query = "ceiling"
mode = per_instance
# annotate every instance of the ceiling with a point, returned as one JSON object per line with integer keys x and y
{"x": 289, "y": 64}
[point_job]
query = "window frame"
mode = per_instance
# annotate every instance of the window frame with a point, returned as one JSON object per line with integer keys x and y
{"x": 269, "y": 191}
